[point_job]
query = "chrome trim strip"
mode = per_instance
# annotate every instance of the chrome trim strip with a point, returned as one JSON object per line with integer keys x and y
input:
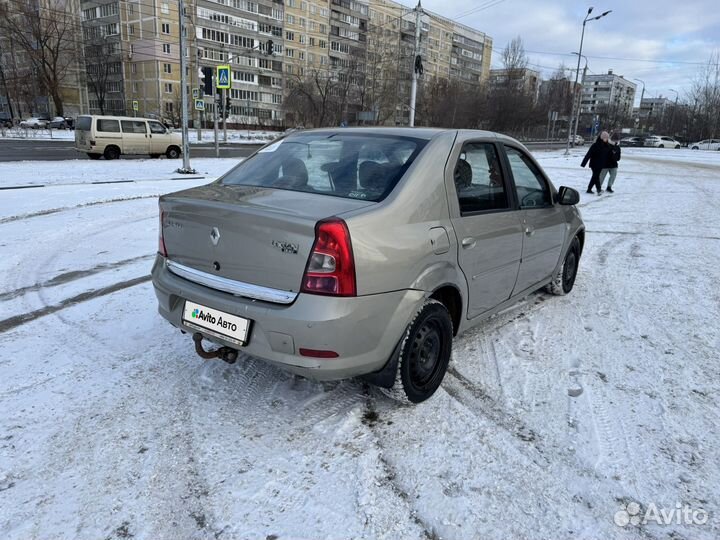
{"x": 238, "y": 288}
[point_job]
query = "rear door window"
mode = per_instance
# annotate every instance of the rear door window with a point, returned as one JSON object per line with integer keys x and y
{"x": 83, "y": 123}
{"x": 478, "y": 179}
{"x": 133, "y": 126}
{"x": 108, "y": 126}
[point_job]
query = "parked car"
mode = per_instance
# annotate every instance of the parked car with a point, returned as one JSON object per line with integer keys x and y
{"x": 662, "y": 142}
{"x": 632, "y": 141}
{"x": 5, "y": 120}
{"x": 707, "y": 144}
{"x": 58, "y": 122}
{"x": 112, "y": 136}
{"x": 349, "y": 252}
{"x": 34, "y": 123}
{"x": 579, "y": 141}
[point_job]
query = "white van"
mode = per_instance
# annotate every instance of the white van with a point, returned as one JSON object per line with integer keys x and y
{"x": 111, "y": 136}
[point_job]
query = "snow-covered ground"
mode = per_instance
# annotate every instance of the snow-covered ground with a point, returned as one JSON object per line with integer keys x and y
{"x": 554, "y": 416}
{"x": 235, "y": 136}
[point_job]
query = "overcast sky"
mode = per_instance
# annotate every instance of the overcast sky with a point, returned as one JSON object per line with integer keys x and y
{"x": 653, "y": 40}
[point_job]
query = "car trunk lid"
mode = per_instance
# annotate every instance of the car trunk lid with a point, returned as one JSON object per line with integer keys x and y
{"x": 252, "y": 235}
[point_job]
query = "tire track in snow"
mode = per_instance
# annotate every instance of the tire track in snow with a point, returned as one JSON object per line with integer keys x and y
{"x": 13, "y": 322}
{"x": 389, "y": 475}
{"x": 51, "y": 211}
{"x": 73, "y": 275}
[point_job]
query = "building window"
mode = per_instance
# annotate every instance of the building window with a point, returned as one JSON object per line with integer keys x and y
{"x": 168, "y": 88}
{"x": 302, "y": 38}
{"x": 166, "y": 48}
{"x": 165, "y": 28}
{"x": 168, "y": 107}
{"x": 165, "y": 8}
{"x": 131, "y": 29}
{"x": 290, "y": 53}
{"x": 167, "y": 68}
{"x": 290, "y": 36}
{"x": 133, "y": 68}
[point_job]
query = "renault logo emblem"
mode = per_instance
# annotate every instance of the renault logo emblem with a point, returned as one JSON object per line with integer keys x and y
{"x": 215, "y": 236}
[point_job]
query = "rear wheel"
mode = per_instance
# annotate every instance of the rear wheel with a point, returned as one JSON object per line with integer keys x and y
{"x": 112, "y": 152}
{"x": 424, "y": 354}
{"x": 677, "y": 146}
{"x": 565, "y": 280}
{"x": 173, "y": 152}
{"x": 94, "y": 156}
{"x": 661, "y": 146}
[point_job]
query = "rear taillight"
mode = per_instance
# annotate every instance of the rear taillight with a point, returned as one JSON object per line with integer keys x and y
{"x": 161, "y": 239}
{"x": 331, "y": 267}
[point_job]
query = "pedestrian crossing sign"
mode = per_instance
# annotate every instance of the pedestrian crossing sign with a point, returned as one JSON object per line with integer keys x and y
{"x": 223, "y": 77}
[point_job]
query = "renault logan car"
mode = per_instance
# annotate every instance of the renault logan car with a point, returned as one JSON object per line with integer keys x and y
{"x": 338, "y": 253}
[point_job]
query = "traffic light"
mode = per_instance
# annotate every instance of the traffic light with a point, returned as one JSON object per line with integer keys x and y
{"x": 227, "y": 105}
{"x": 269, "y": 48}
{"x": 207, "y": 83}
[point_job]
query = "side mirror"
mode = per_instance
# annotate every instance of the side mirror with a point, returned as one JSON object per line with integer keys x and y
{"x": 568, "y": 196}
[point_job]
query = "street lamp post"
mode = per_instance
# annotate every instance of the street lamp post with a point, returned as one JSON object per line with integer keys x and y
{"x": 642, "y": 96}
{"x": 579, "y": 99}
{"x": 672, "y": 116}
{"x": 572, "y": 133}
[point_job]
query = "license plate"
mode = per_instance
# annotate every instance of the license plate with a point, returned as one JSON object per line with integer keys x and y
{"x": 217, "y": 323}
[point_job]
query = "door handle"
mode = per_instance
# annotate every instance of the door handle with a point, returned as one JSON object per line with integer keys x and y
{"x": 468, "y": 242}
{"x": 529, "y": 231}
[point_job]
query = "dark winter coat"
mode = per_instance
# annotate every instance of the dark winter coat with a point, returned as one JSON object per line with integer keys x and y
{"x": 598, "y": 155}
{"x": 614, "y": 157}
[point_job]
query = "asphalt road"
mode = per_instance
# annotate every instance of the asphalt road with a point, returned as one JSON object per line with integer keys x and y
{"x": 60, "y": 150}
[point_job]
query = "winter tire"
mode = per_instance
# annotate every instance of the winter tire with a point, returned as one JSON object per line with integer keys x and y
{"x": 111, "y": 152}
{"x": 173, "y": 152}
{"x": 563, "y": 283}
{"x": 424, "y": 354}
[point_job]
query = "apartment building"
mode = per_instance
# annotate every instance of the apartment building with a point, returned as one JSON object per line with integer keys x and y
{"x": 654, "y": 108}
{"x": 307, "y": 27}
{"x": 525, "y": 79}
{"x": 607, "y": 93}
{"x": 24, "y": 89}
{"x": 240, "y": 33}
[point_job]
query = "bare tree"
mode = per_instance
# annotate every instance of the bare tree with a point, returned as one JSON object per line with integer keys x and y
{"x": 514, "y": 58}
{"x": 705, "y": 98}
{"x": 45, "y": 33}
{"x": 101, "y": 58}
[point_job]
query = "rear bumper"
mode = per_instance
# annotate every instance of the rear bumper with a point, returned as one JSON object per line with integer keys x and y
{"x": 362, "y": 330}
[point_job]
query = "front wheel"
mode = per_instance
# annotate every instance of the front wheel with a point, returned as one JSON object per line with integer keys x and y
{"x": 563, "y": 283}
{"x": 661, "y": 146}
{"x": 424, "y": 354}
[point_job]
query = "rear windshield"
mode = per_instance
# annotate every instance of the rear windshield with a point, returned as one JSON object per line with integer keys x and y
{"x": 83, "y": 123}
{"x": 349, "y": 165}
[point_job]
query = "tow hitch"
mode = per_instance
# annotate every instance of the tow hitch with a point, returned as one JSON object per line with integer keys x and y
{"x": 226, "y": 354}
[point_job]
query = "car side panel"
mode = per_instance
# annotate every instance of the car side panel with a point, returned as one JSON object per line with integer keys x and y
{"x": 400, "y": 243}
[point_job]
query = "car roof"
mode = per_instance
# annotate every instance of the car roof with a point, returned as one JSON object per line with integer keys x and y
{"x": 418, "y": 133}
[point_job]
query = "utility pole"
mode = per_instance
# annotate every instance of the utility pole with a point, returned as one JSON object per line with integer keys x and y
{"x": 571, "y": 133}
{"x": 186, "y": 169}
{"x": 642, "y": 96}
{"x": 413, "y": 87}
{"x": 579, "y": 104}
{"x": 216, "y": 108}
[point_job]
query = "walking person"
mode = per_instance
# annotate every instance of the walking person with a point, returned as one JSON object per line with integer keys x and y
{"x": 597, "y": 155}
{"x": 611, "y": 167}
